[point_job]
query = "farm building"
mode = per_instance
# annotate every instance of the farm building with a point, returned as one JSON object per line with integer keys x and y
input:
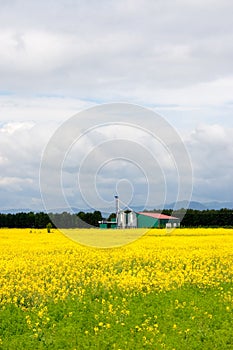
{"x": 156, "y": 220}
{"x": 108, "y": 224}
{"x": 131, "y": 219}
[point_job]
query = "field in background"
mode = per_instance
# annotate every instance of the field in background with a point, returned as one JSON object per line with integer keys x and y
{"x": 104, "y": 238}
{"x": 166, "y": 290}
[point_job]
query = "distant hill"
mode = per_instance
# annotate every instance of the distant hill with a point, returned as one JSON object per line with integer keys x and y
{"x": 15, "y": 211}
{"x": 55, "y": 210}
{"x": 196, "y": 205}
{"x": 219, "y": 205}
{"x": 174, "y": 205}
{"x": 186, "y": 204}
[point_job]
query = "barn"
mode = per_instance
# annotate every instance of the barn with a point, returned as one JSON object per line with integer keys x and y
{"x": 132, "y": 219}
{"x": 129, "y": 218}
{"x": 156, "y": 220}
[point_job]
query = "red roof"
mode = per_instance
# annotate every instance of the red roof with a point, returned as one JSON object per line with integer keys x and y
{"x": 157, "y": 215}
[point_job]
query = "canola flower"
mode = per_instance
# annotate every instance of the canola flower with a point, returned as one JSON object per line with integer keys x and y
{"x": 50, "y": 285}
{"x": 37, "y": 266}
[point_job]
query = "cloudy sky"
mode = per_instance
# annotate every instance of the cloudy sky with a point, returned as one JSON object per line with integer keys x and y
{"x": 58, "y": 58}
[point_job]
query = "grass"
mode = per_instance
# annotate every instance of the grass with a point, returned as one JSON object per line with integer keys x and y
{"x": 187, "y": 318}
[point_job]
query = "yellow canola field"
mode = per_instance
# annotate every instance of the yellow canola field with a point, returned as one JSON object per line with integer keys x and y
{"x": 36, "y": 266}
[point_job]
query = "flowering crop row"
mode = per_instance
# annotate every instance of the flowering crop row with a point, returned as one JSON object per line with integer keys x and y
{"x": 37, "y": 266}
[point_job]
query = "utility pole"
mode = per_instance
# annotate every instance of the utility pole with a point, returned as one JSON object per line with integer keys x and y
{"x": 117, "y": 209}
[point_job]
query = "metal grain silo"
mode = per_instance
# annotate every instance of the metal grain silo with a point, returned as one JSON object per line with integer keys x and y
{"x": 132, "y": 219}
{"x": 121, "y": 219}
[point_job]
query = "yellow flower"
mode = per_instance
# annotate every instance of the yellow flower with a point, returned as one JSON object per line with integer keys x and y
{"x": 41, "y": 267}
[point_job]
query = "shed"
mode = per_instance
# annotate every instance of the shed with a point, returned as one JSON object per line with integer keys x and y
{"x": 108, "y": 224}
{"x": 156, "y": 220}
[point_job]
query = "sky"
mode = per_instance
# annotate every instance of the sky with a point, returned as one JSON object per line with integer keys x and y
{"x": 58, "y": 58}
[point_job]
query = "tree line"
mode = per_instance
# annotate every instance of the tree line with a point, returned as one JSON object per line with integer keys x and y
{"x": 203, "y": 218}
{"x": 41, "y": 220}
{"x": 191, "y": 218}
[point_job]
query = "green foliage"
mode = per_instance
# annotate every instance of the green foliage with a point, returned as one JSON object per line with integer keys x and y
{"x": 187, "y": 318}
{"x": 112, "y": 216}
{"x": 41, "y": 220}
{"x": 90, "y": 218}
{"x": 191, "y": 218}
{"x": 203, "y": 218}
{"x": 24, "y": 220}
{"x": 49, "y": 226}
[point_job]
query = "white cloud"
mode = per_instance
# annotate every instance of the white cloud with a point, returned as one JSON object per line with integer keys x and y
{"x": 40, "y": 109}
{"x": 211, "y": 149}
{"x": 141, "y": 50}
{"x": 3, "y": 160}
{"x": 57, "y": 59}
{"x": 14, "y": 183}
{"x": 12, "y": 127}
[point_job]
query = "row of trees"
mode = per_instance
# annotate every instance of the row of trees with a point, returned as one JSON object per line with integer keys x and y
{"x": 191, "y": 218}
{"x": 41, "y": 220}
{"x": 203, "y": 218}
